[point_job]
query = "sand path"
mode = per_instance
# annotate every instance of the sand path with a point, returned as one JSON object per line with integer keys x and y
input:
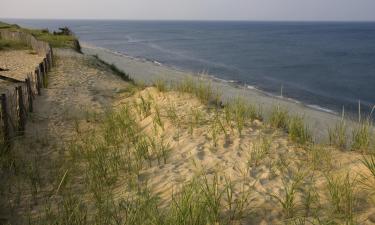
{"x": 77, "y": 85}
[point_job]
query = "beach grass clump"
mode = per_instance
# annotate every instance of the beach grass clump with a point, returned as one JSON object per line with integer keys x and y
{"x": 161, "y": 85}
{"x": 288, "y": 200}
{"x": 369, "y": 162}
{"x": 361, "y": 136}
{"x": 200, "y": 88}
{"x": 175, "y": 118}
{"x": 239, "y": 114}
{"x": 159, "y": 148}
{"x": 338, "y": 134}
{"x": 214, "y": 133}
{"x": 125, "y": 76}
{"x": 145, "y": 107}
{"x": 298, "y": 131}
{"x": 114, "y": 69}
{"x": 342, "y": 192}
{"x": 319, "y": 157}
{"x": 260, "y": 149}
{"x": 279, "y": 118}
{"x": 158, "y": 122}
{"x": 142, "y": 151}
{"x": 239, "y": 111}
{"x": 194, "y": 118}
{"x": 369, "y": 181}
{"x": 310, "y": 198}
{"x": 217, "y": 127}
{"x": 205, "y": 200}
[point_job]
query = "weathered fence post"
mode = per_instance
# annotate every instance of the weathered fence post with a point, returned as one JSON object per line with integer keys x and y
{"x": 37, "y": 73}
{"x": 51, "y": 54}
{"x": 45, "y": 78}
{"x": 44, "y": 67}
{"x": 41, "y": 70}
{"x": 29, "y": 94}
{"x": 46, "y": 64}
{"x": 21, "y": 110}
{"x": 4, "y": 112}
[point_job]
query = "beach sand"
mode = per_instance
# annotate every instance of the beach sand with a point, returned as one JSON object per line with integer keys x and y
{"x": 142, "y": 70}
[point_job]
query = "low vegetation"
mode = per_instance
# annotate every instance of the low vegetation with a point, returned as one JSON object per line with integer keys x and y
{"x": 123, "y": 165}
{"x": 13, "y": 45}
{"x": 55, "y": 40}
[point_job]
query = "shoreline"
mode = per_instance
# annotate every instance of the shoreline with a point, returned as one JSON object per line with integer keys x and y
{"x": 233, "y": 83}
{"x": 318, "y": 119}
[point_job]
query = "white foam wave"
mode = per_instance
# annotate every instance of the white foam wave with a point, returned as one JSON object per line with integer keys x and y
{"x": 319, "y": 108}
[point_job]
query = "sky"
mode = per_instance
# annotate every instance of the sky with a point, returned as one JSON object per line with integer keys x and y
{"x": 264, "y": 10}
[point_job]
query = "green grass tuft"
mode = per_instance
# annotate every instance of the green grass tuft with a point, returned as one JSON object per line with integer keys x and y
{"x": 338, "y": 135}
{"x": 362, "y": 136}
{"x": 342, "y": 191}
{"x": 298, "y": 131}
{"x": 279, "y": 118}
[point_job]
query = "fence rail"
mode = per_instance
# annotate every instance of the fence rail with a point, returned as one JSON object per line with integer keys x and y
{"x": 17, "y": 100}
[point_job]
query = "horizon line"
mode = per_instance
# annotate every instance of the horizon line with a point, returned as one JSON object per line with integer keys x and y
{"x": 188, "y": 20}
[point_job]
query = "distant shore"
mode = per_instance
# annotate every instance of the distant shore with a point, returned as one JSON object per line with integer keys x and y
{"x": 147, "y": 71}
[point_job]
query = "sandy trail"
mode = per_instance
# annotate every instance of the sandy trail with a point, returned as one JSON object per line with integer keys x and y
{"x": 77, "y": 85}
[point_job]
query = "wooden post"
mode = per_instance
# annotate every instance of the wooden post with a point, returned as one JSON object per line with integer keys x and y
{"x": 22, "y": 110}
{"x": 51, "y": 56}
{"x": 29, "y": 94}
{"x": 42, "y": 73}
{"x": 46, "y": 64}
{"x": 46, "y": 71}
{"x": 4, "y": 112}
{"x": 37, "y": 73}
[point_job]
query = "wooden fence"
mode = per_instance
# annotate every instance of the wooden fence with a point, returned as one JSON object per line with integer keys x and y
{"x": 16, "y": 101}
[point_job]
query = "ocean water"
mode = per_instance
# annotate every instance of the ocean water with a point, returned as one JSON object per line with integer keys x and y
{"x": 325, "y": 65}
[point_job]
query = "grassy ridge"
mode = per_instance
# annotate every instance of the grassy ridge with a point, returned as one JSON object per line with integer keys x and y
{"x": 12, "y": 45}
{"x": 56, "y": 41}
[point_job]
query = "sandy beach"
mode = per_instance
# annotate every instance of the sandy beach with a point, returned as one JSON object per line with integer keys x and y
{"x": 147, "y": 71}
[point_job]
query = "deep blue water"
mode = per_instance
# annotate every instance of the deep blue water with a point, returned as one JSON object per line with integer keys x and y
{"x": 325, "y": 64}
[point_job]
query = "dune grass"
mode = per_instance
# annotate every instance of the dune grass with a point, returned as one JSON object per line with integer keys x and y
{"x": 288, "y": 199}
{"x": 338, "y": 136}
{"x": 279, "y": 118}
{"x": 115, "y": 70}
{"x": 200, "y": 88}
{"x": 298, "y": 131}
{"x": 362, "y": 135}
{"x": 342, "y": 191}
